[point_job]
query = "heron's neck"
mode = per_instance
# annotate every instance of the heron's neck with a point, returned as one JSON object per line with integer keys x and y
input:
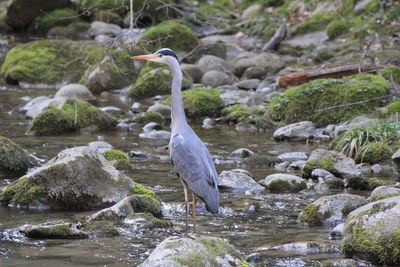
{"x": 178, "y": 112}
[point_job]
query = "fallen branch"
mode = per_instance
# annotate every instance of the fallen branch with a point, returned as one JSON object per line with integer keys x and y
{"x": 278, "y": 37}
{"x": 297, "y": 78}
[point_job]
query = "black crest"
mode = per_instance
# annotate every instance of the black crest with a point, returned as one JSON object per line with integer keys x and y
{"x": 167, "y": 52}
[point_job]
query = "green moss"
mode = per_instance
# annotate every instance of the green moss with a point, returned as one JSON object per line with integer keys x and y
{"x": 244, "y": 263}
{"x": 108, "y": 16}
{"x": 386, "y": 196}
{"x": 323, "y": 163}
{"x": 375, "y": 152}
{"x": 141, "y": 190}
{"x": 374, "y": 182}
{"x": 12, "y": 157}
{"x": 165, "y": 35}
{"x": 121, "y": 7}
{"x": 317, "y": 22}
{"x": 393, "y": 107}
{"x": 50, "y": 61}
{"x": 290, "y": 106}
{"x": 323, "y": 55}
{"x": 25, "y": 192}
{"x": 100, "y": 228}
{"x": 58, "y": 17}
{"x": 235, "y": 113}
{"x": 373, "y": 6}
{"x": 73, "y": 115}
{"x": 391, "y": 73}
{"x": 311, "y": 215}
{"x": 337, "y": 28}
{"x": 282, "y": 186}
{"x": 115, "y": 154}
{"x": 150, "y": 116}
{"x": 151, "y": 221}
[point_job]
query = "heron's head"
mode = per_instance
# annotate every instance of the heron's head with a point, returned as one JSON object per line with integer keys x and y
{"x": 164, "y": 55}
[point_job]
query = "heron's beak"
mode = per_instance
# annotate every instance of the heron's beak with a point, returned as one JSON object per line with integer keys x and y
{"x": 148, "y": 57}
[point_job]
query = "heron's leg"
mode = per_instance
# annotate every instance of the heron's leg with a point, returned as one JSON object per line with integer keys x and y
{"x": 194, "y": 212}
{"x": 185, "y": 190}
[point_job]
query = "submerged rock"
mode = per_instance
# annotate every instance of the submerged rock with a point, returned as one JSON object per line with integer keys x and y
{"x": 12, "y": 157}
{"x": 237, "y": 179}
{"x": 145, "y": 221}
{"x": 281, "y": 183}
{"x": 331, "y": 210}
{"x": 53, "y": 231}
{"x": 372, "y": 232}
{"x": 76, "y": 179}
{"x": 296, "y": 131}
{"x": 197, "y": 251}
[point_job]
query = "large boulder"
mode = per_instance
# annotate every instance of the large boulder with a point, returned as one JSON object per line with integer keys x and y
{"x": 384, "y": 191}
{"x": 372, "y": 232}
{"x": 295, "y": 132}
{"x": 196, "y": 251}
{"x": 283, "y": 183}
{"x": 209, "y": 62}
{"x": 20, "y": 13}
{"x": 74, "y": 90}
{"x": 271, "y": 63}
{"x": 76, "y": 179}
{"x": 334, "y": 162}
{"x": 12, "y": 157}
{"x": 238, "y": 179}
{"x": 331, "y": 210}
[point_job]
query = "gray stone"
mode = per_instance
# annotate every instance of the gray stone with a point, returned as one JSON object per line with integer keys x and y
{"x": 293, "y": 156}
{"x": 251, "y": 10}
{"x": 208, "y": 123}
{"x": 208, "y": 63}
{"x": 156, "y": 134}
{"x": 361, "y": 5}
{"x": 193, "y": 71}
{"x": 75, "y": 90}
{"x": 33, "y": 102}
{"x": 296, "y": 165}
{"x": 270, "y": 62}
{"x": 216, "y": 78}
{"x": 241, "y": 153}
{"x": 160, "y": 108}
{"x": 40, "y": 106}
{"x": 102, "y": 28}
{"x": 396, "y": 158}
{"x": 100, "y": 146}
{"x": 296, "y": 131}
{"x": 197, "y": 250}
{"x": 321, "y": 173}
{"x": 314, "y": 38}
{"x": 53, "y": 230}
{"x": 377, "y": 223}
{"x": 241, "y": 97}
{"x": 77, "y": 178}
{"x": 337, "y": 232}
{"x": 281, "y": 182}
{"x": 384, "y": 192}
{"x": 248, "y": 84}
{"x": 151, "y": 126}
{"x": 254, "y": 73}
{"x": 376, "y": 168}
{"x": 238, "y": 180}
{"x": 331, "y": 210}
{"x": 217, "y": 49}
{"x": 361, "y": 122}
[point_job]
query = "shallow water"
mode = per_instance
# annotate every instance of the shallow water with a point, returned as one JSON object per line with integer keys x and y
{"x": 248, "y": 229}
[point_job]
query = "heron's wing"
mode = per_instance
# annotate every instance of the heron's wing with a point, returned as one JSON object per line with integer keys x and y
{"x": 194, "y": 165}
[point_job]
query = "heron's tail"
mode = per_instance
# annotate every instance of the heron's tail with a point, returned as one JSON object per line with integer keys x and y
{"x": 212, "y": 202}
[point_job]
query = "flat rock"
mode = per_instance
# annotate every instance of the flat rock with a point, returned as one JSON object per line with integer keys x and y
{"x": 298, "y": 131}
{"x": 293, "y": 156}
{"x": 238, "y": 180}
{"x": 250, "y": 84}
{"x": 281, "y": 182}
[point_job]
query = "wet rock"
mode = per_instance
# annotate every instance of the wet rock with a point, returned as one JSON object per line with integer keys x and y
{"x": 321, "y": 173}
{"x": 283, "y": 183}
{"x": 20, "y": 13}
{"x": 345, "y": 263}
{"x": 208, "y": 63}
{"x": 151, "y": 126}
{"x": 100, "y": 146}
{"x": 296, "y": 165}
{"x": 331, "y": 210}
{"x": 282, "y": 167}
{"x": 196, "y": 251}
{"x": 251, "y": 84}
{"x": 271, "y": 63}
{"x": 337, "y": 232}
{"x": 241, "y": 153}
{"x": 38, "y": 105}
{"x": 77, "y": 91}
{"x": 234, "y": 96}
{"x": 145, "y": 221}
{"x": 238, "y": 180}
{"x": 371, "y": 232}
{"x": 334, "y": 162}
{"x": 295, "y": 132}
{"x": 100, "y": 229}
{"x": 216, "y": 78}
{"x": 156, "y": 134}
{"x": 76, "y": 179}
{"x": 102, "y": 28}
{"x": 160, "y": 108}
{"x": 208, "y": 123}
{"x": 193, "y": 71}
{"x": 384, "y": 191}
{"x": 304, "y": 248}
{"x": 12, "y": 157}
{"x": 293, "y": 156}
{"x": 114, "y": 111}
{"x": 217, "y": 49}
{"x": 53, "y": 231}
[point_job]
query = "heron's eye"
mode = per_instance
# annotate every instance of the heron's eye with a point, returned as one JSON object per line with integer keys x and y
{"x": 161, "y": 55}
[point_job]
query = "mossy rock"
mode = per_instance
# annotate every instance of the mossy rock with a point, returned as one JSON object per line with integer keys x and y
{"x": 201, "y": 102}
{"x": 74, "y": 115}
{"x": 58, "y": 17}
{"x": 117, "y": 157}
{"x": 393, "y": 107}
{"x": 282, "y": 186}
{"x": 391, "y": 73}
{"x": 317, "y": 22}
{"x": 141, "y": 190}
{"x": 323, "y": 163}
{"x": 323, "y": 55}
{"x": 101, "y": 228}
{"x": 108, "y": 17}
{"x": 76, "y": 31}
{"x": 300, "y": 103}
{"x": 56, "y": 231}
{"x": 150, "y": 222}
{"x": 149, "y": 116}
{"x": 236, "y": 113}
{"x": 50, "y": 61}
{"x": 311, "y": 215}
{"x": 12, "y": 157}
{"x": 255, "y": 116}
{"x": 375, "y": 152}
{"x": 337, "y": 28}
{"x": 166, "y": 33}
{"x": 155, "y": 82}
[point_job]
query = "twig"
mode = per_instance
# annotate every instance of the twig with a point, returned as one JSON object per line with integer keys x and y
{"x": 354, "y": 103}
{"x": 76, "y": 114}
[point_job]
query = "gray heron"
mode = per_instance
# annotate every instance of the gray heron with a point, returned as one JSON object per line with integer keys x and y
{"x": 189, "y": 156}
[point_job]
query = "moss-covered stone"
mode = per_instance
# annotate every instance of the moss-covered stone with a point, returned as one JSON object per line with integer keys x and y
{"x": 76, "y": 30}
{"x": 141, "y": 190}
{"x": 151, "y": 222}
{"x": 374, "y": 182}
{"x": 300, "y": 103}
{"x": 393, "y": 107}
{"x": 50, "y": 61}
{"x": 100, "y": 228}
{"x": 235, "y": 113}
{"x": 375, "y": 152}
{"x": 73, "y": 115}
{"x": 283, "y": 186}
{"x": 323, "y": 163}
{"x": 115, "y": 154}
{"x": 323, "y": 55}
{"x": 200, "y": 102}
{"x": 12, "y": 157}
{"x": 337, "y": 28}
{"x": 391, "y": 73}
{"x": 166, "y": 33}
{"x": 150, "y": 116}
{"x": 57, "y": 231}
{"x": 155, "y": 82}
{"x": 58, "y": 17}
{"x": 311, "y": 215}
{"x": 317, "y": 22}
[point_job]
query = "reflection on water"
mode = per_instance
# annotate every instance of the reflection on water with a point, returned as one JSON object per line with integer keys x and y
{"x": 248, "y": 222}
